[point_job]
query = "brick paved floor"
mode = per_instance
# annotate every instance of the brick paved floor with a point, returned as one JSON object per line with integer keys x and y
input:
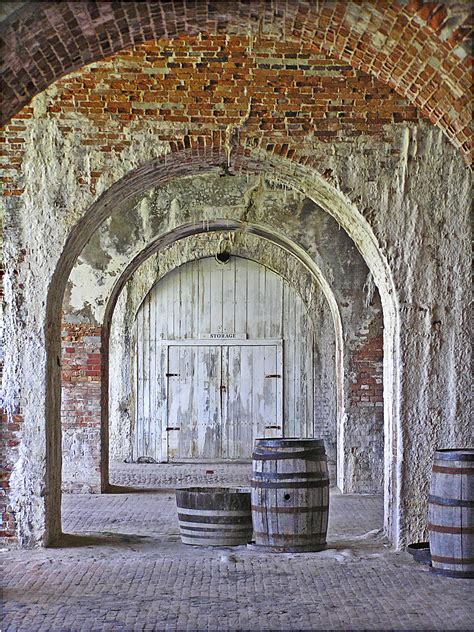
{"x": 173, "y": 474}
{"x": 125, "y": 569}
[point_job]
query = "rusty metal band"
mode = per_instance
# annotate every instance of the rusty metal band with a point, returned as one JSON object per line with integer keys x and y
{"x": 460, "y": 471}
{"x": 225, "y": 539}
{"x": 455, "y": 455}
{"x": 283, "y": 475}
{"x": 291, "y": 510}
{"x": 284, "y": 485}
{"x": 439, "y": 528}
{"x": 450, "y": 502}
{"x": 452, "y": 560}
{"x": 213, "y": 531}
{"x": 224, "y": 520}
{"x": 318, "y": 454}
{"x": 291, "y": 538}
{"x": 288, "y": 442}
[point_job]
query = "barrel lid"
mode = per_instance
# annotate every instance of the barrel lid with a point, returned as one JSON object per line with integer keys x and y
{"x": 214, "y": 490}
{"x": 455, "y": 454}
{"x": 289, "y": 442}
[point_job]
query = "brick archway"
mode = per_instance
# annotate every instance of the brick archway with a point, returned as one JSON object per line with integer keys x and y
{"x": 420, "y": 50}
{"x": 183, "y": 232}
{"x": 191, "y": 162}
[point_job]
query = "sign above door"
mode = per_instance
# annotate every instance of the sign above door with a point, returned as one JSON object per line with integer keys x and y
{"x": 224, "y": 336}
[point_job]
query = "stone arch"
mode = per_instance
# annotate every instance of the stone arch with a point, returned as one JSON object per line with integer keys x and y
{"x": 419, "y": 50}
{"x": 225, "y": 226}
{"x": 257, "y": 199}
{"x": 245, "y": 246}
{"x": 202, "y": 160}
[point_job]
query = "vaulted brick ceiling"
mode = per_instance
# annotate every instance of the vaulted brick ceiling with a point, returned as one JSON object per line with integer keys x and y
{"x": 418, "y": 48}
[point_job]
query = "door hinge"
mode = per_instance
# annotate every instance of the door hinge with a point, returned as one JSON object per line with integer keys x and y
{"x": 272, "y": 427}
{"x": 168, "y": 428}
{"x": 273, "y": 375}
{"x": 172, "y": 374}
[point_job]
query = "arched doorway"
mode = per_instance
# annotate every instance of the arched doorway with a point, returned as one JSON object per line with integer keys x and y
{"x": 218, "y": 346}
{"x": 316, "y": 189}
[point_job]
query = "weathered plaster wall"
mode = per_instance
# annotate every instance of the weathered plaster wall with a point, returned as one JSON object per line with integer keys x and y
{"x": 401, "y": 179}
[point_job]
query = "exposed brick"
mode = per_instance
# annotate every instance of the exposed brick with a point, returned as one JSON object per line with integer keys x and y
{"x": 332, "y": 27}
{"x": 81, "y": 391}
{"x": 318, "y": 100}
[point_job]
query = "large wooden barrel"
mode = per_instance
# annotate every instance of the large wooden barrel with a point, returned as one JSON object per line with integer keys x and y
{"x": 214, "y": 516}
{"x": 290, "y": 494}
{"x": 451, "y": 513}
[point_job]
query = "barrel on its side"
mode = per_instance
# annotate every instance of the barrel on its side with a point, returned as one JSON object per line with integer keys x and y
{"x": 451, "y": 513}
{"x": 214, "y": 516}
{"x": 290, "y": 494}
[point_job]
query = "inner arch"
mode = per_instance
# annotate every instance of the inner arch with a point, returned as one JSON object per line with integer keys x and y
{"x": 162, "y": 170}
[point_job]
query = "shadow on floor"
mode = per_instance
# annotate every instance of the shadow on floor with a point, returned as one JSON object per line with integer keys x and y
{"x": 106, "y": 538}
{"x": 120, "y": 489}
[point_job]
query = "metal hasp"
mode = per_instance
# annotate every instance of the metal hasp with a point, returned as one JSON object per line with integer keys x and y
{"x": 290, "y": 494}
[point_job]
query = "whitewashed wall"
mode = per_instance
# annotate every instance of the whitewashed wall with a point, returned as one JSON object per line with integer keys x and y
{"x": 232, "y": 324}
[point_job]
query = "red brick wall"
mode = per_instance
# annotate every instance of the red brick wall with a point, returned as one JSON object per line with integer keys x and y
{"x": 81, "y": 407}
{"x": 219, "y": 91}
{"x": 420, "y": 48}
{"x": 366, "y": 371}
{"x": 212, "y": 91}
{"x": 81, "y": 413}
{"x": 365, "y": 424}
{"x": 209, "y": 91}
{"x": 9, "y": 440}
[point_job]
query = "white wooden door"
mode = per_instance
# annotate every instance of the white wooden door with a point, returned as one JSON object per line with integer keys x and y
{"x": 203, "y": 303}
{"x": 193, "y": 402}
{"x": 253, "y": 397}
{"x": 220, "y": 398}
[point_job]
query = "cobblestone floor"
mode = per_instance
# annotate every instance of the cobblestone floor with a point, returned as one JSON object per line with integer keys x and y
{"x": 122, "y": 567}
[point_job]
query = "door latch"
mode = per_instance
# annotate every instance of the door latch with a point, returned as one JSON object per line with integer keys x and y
{"x": 272, "y": 427}
{"x": 273, "y": 375}
{"x": 172, "y": 374}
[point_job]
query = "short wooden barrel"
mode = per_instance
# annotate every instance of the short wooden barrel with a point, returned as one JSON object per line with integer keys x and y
{"x": 214, "y": 516}
{"x": 451, "y": 513}
{"x": 290, "y": 494}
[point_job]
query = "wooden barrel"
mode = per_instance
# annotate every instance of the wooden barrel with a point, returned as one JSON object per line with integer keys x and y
{"x": 290, "y": 494}
{"x": 451, "y": 513}
{"x": 214, "y": 516}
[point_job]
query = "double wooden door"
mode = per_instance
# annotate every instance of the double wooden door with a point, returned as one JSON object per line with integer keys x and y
{"x": 220, "y": 397}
